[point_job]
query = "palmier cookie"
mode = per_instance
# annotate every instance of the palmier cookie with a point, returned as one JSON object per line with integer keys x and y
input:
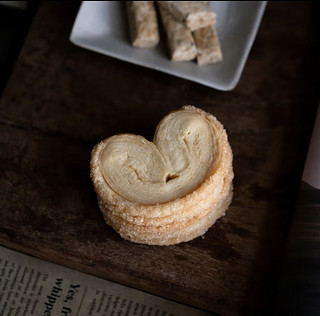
{"x": 170, "y": 190}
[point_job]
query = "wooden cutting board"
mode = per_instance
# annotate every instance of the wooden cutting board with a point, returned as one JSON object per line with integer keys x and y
{"x": 62, "y": 99}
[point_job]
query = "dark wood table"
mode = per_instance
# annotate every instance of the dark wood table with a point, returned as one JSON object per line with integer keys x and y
{"x": 61, "y": 99}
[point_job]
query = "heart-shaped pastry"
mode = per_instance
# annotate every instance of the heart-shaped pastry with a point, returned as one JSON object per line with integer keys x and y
{"x": 169, "y": 190}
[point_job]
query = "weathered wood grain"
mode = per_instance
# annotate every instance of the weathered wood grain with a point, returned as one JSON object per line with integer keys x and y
{"x": 61, "y": 100}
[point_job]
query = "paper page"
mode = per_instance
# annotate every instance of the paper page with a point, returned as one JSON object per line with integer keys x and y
{"x": 30, "y": 286}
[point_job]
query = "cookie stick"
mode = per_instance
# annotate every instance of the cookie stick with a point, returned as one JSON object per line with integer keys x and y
{"x": 179, "y": 38}
{"x": 193, "y": 14}
{"x": 143, "y": 24}
{"x": 208, "y": 46}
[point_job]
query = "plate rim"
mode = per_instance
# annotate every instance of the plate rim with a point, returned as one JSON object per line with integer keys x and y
{"x": 227, "y": 85}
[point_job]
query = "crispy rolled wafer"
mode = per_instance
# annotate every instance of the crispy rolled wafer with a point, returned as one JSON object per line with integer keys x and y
{"x": 170, "y": 190}
{"x": 208, "y": 46}
{"x": 179, "y": 38}
{"x": 143, "y": 25}
{"x": 193, "y": 14}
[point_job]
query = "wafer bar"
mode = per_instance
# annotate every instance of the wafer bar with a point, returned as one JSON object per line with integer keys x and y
{"x": 208, "y": 46}
{"x": 143, "y": 25}
{"x": 180, "y": 40}
{"x": 193, "y": 14}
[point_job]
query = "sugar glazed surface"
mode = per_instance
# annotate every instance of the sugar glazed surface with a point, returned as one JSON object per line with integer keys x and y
{"x": 170, "y": 190}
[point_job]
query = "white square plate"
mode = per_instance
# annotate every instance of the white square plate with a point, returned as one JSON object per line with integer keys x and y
{"x": 101, "y": 26}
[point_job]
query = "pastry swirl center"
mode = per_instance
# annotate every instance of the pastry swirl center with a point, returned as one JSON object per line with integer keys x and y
{"x": 183, "y": 152}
